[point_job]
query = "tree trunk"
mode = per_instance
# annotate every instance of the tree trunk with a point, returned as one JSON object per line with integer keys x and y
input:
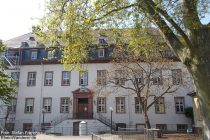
{"x": 146, "y": 120}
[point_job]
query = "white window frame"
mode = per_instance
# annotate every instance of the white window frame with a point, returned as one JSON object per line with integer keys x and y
{"x": 50, "y": 55}
{"x": 83, "y": 81}
{"x": 176, "y": 76}
{"x": 47, "y": 105}
{"x": 48, "y": 81}
{"x": 101, "y": 104}
{"x": 157, "y": 77}
{"x": 138, "y": 107}
{"x": 29, "y": 105}
{"x": 101, "y": 77}
{"x": 160, "y": 106}
{"x": 31, "y": 79}
{"x": 120, "y": 105}
{"x": 66, "y": 77}
{"x": 101, "y": 53}
{"x": 64, "y": 108}
{"x": 34, "y": 55}
{"x": 179, "y": 105}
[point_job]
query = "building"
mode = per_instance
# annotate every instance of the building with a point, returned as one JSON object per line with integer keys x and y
{"x": 48, "y": 95}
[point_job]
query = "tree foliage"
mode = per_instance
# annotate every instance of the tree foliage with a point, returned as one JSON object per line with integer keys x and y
{"x": 6, "y": 91}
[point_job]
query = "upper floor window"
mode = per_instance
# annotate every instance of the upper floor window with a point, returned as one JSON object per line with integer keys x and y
{"x": 101, "y": 104}
{"x": 84, "y": 78}
{"x": 48, "y": 78}
{"x": 101, "y": 53}
{"x": 33, "y": 55}
{"x": 120, "y": 104}
{"x": 12, "y": 106}
{"x": 64, "y": 105}
{"x": 138, "y": 76}
{"x": 138, "y": 107}
{"x": 31, "y": 79}
{"x": 119, "y": 77}
{"x": 66, "y": 78}
{"x": 179, "y": 104}
{"x": 102, "y": 41}
{"x": 157, "y": 77}
{"x": 47, "y": 103}
{"x": 29, "y": 105}
{"x": 160, "y": 105}
{"x": 50, "y": 55}
{"x": 177, "y": 76}
{"x": 15, "y": 76}
{"x": 101, "y": 77}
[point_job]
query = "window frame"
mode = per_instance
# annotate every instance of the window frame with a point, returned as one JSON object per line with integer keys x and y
{"x": 176, "y": 76}
{"x": 159, "y": 78}
{"x": 119, "y": 101}
{"x": 119, "y": 78}
{"x": 101, "y": 51}
{"x": 34, "y": 79}
{"x": 26, "y": 99}
{"x": 137, "y": 104}
{"x": 81, "y": 78}
{"x": 102, "y": 105}
{"x": 45, "y": 79}
{"x": 43, "y": 106}
{"x": 68, "y": 83}
{"x": 182, "y": 130}
{"x": 101, "y": 77}
{"x": 179, "y": 105}
{"x": 32, "y": 55}
{"x": 160, "y": 105}
{"x": 68, "y": 105}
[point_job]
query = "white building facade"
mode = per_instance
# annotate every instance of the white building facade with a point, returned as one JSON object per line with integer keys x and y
{"x": 49, "y": 95}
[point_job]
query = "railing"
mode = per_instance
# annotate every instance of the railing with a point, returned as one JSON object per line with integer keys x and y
{"x": 106, "y": 121}
{"x": 59, "y": 119}
{"x": 13, "y": 61}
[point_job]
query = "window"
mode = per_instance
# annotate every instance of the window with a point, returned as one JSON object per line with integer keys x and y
{"x": 29, "y": 105}
{"x": 66, "y": 78}
{"x": 101, "y": 104}
{"x": 9, "y": 127}
{"x": 83, "y": 78}
{"x": 12, "y": 107}
{"x": 101, "y": 77}
{"x": 64, "y": 105}
{"x": 138, "y": 77}
{"x": 177, "y": 76}
{"x": 179, "y": 104}
{"x": 182, "y": 127}
{"x": 33, "y": 55}
{"x": 31, "y": 79}
{"x": 50, "y": 55}
{"x": 119, "y": 77}
{"x": 102, "y": 41}
{"x": 27, "y": 127}
{"x": 138, "y": 107}
{"x": 162, "y": 127}
{"x": 156, "y": 77}
{"x": 47, "y": 103}
{"x": 160, "y": 106}
{"x": 120, "y": 104}
{"x": 48, "y": 78}
{"x": 15, "y": 76}
{"x": 100, "y": 52}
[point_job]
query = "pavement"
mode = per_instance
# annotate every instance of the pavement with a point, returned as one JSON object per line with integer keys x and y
{"x": 52, "y": 137}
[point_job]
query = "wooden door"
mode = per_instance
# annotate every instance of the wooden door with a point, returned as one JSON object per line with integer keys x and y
{"x": 82, "y": 111}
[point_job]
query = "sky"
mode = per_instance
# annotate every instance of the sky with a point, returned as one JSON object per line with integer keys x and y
{"x": 18, "y": 16}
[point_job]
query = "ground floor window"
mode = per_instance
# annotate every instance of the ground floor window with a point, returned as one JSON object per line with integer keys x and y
{"x": 182, "y": 127}
{"x": 162, "y": 127}
{"x": 9, "y": 127}
{"x": 27, "y": 127}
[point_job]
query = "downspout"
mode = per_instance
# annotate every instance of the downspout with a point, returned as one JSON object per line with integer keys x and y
{"x": 41, "y": 94}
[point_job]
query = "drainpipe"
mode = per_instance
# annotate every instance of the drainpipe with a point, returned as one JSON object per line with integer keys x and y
{"x": 41, "y": 94}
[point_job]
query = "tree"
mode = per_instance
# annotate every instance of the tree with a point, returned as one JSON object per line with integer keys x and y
{"x": 69, "y": 23}
{"x": 6, "y": 91}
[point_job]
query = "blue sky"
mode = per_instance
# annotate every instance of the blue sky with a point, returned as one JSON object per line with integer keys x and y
{"x": 18, "y": 16}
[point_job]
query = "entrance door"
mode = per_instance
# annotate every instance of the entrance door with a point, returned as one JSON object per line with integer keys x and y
{"x": 76, "y": 128}
{"x": 82, "y": 108}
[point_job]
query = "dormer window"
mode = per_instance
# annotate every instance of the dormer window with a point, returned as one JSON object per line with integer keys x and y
{"x": 102, "y": 41}
{"x": 101, "y": 53}
{"x": 50, "y": 55}
{"x": 33, "y": 54}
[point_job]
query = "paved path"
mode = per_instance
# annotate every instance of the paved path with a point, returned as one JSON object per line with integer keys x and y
{"x": 50, "y": 137}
